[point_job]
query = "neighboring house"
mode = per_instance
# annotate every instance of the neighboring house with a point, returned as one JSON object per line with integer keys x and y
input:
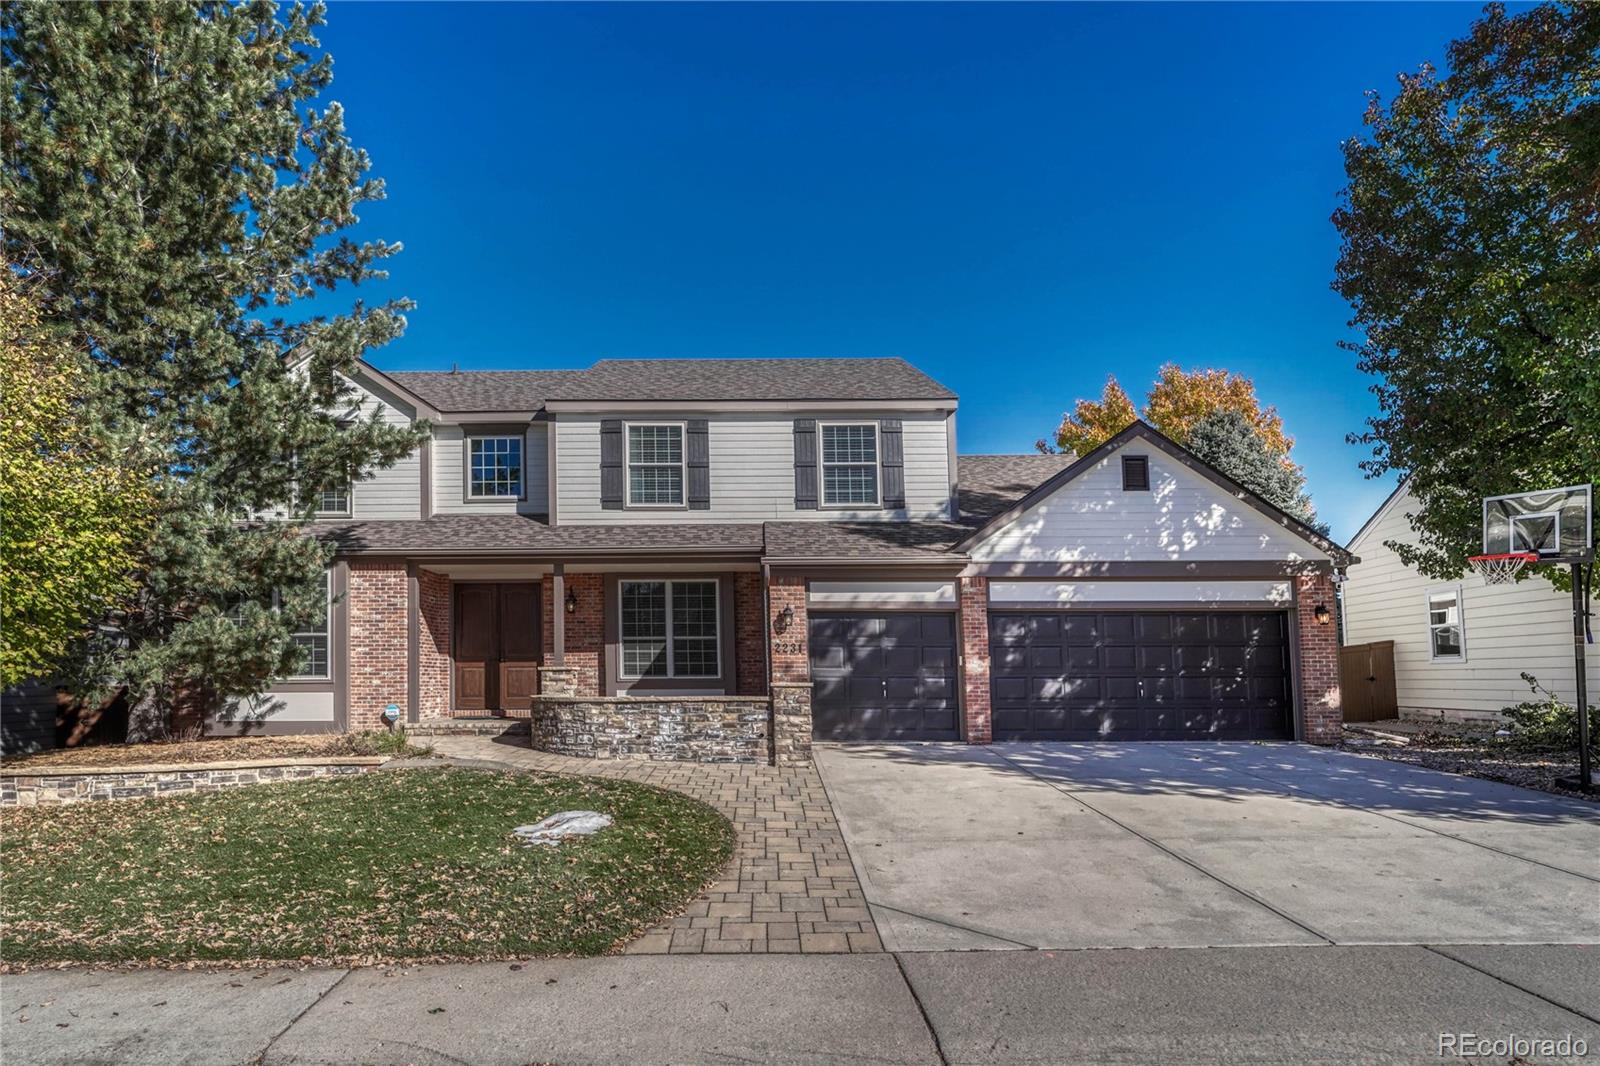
{"x": 1460, "y": 647}
{"x": 722, "y": 559}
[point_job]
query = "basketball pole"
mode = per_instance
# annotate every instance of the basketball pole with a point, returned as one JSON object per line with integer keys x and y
{"x": 1585, "y": 776}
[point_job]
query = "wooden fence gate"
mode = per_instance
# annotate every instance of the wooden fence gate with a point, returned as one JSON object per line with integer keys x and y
{"x": 1366, "y": 681}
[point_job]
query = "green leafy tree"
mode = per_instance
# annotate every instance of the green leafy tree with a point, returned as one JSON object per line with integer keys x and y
{"x": 1471, "y": 256}
{"x": 73, "y": 512}
{"x": 1229, "y": 441}
{"x": 176, "y": 195}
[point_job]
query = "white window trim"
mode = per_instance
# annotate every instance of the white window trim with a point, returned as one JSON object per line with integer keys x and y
{"x": 326, "y": 632}
{"x": 349, "y": 504}
{"x": 823, "y": 464}
{"x": 1511, "y": 528}
{"x": 716, "y": 586}
{"x": 682, "y": 464}
{"x": 1461, "y": 623}
{"x": 522, "y": 476}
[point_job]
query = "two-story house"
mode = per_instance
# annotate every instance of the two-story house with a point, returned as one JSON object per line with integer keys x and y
{"x": 716, "y": 559}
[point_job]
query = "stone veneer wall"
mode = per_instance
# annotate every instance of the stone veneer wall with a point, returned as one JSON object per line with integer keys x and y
{"x": 79, "y": 785}
{"x": 668, "y": 728}
{"x": 585, "y": 633}
{"x": 433, "y": 640}
{"x": 1322, "y": 707}
{"x": 378, "y": 671}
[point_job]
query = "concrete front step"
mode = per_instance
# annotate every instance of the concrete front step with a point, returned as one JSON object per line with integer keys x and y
{"x": 469, "y": 727}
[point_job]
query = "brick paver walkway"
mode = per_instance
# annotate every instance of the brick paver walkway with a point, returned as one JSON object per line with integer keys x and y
{"x": 790, "y": 885}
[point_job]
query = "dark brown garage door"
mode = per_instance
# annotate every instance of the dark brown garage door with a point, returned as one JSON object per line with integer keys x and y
{"x": 1124, "y": 675}
{"x": 888, "y": 676}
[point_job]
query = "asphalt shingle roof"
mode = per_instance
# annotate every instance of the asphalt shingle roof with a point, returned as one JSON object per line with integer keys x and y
{"x": 988, "y": 485}
{"x": 510, "y": 532}
{"x": 676, "y": 380}
{"x": 862, "y": 540}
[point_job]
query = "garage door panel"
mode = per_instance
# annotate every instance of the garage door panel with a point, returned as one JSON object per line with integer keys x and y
{"x": 884, "y": 676}
{"x": 1125, "y": 675}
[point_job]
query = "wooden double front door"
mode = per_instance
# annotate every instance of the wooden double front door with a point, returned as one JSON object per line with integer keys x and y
{"x": 497, "y": 646}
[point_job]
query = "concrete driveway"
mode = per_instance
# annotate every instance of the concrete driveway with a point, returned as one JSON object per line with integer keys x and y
{"x": 1204, "y": 845}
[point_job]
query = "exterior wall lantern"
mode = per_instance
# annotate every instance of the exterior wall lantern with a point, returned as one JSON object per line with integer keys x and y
{"x": 784, "y": 620}
{"x": 1321, "y": 613}
{"x": 572, "y": 602}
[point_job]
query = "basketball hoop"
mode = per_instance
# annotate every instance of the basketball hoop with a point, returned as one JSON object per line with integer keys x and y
{"x": 1502, "y": 567}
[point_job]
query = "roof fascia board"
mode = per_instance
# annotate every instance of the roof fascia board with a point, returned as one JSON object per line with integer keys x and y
{"x": 622, "y": 406}
{"x": 1142, "y": 430}
{"x": 1382, "y": 512}
{"x": 424, "y": 408}
{"x": 1150, "y": 570}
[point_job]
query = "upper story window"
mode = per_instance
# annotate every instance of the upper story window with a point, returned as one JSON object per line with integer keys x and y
{"x": 1447, "y": 636}
{"x": 494, "y": 468}
{"x": 849, "y": 464}
{"x": 669, "y": 628}
{"x": 1135, "y": 473}
{"x": 334, "y": 501}
{"x": 655, "y": 465}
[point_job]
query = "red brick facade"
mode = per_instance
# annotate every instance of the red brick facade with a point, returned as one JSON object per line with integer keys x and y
{"x": 433, "y": 637}
{"x": 749, "y": 636}
{"x": 790, "y": 647}
{"x": 378, "y": 668}
{"x": 585, "y": 632}
{"x": 1323, "y": 711}
{"x": 974, "y": 622}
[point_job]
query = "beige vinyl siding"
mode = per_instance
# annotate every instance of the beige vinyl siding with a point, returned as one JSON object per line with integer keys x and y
{"x": 752, "y": 469}
{"x": 1182, "y": 517}
{"x": 1506, "y": 628}
{"x": 394, "y": 492}
{"x": 449, "y": 470}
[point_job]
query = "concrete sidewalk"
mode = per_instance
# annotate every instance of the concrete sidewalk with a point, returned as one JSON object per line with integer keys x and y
{"x": 1286, "y": 1004}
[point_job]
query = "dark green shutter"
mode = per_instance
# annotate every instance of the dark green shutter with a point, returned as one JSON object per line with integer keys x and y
{"x": 697, "y": 461}
{"x": 611, "y": 487}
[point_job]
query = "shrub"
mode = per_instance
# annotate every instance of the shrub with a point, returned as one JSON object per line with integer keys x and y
{"x": 1546, "y": 722}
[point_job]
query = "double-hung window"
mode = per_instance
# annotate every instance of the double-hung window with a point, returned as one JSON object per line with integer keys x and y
{"x": 850, "y": 465}
{"x": 1447, "y": 637}
{"x": 669, "y": 629}
{"x": 655, "y": 465}
{"x": 314, "y": 663}
{"x": 494, "y": 468}
{"x": 334, "y": 501}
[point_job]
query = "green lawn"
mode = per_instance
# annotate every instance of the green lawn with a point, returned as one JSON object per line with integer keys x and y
{"x": 400, "y": 864}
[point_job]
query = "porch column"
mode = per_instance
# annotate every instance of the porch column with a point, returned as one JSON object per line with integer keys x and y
{"x": 558, "y": 614}
{"x": 788, "y": 648}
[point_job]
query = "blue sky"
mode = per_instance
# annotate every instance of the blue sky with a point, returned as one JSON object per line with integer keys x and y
{"x": 1018, "y": 199}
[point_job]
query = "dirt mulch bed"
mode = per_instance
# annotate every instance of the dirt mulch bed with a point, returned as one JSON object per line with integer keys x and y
{"x": 1475, "y": 756}
{"x": 214, "y": 750}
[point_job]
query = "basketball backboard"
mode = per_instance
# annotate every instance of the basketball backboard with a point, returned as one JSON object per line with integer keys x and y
{"x": 1555, "y": 524}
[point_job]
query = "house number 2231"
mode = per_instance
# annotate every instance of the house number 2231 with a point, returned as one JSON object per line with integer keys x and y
{"x": 788, "y": 647}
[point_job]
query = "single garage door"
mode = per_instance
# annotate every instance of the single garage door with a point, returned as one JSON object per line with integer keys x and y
{"x": 884, "y": 676}
{"x": 1127, "y": 675}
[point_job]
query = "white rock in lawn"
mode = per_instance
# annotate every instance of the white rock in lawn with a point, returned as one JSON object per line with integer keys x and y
{"x": 559, "y": 826}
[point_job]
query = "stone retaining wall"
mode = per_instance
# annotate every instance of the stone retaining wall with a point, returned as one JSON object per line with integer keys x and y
{"x": 79, "y": 784}
{"x": 664, "y": 728}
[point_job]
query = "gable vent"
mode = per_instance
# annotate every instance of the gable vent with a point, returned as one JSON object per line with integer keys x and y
{"x": 1135, "y": 473}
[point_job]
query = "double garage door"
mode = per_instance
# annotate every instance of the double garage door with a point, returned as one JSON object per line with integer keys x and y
{"x": 1056, "y": 675}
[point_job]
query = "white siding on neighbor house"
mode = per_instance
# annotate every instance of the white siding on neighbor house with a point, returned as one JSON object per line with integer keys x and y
{"x": 1184, "y": 517}
{"x": 752, "y": 469}
{"x": 1087, "y": 593}
{"x": 450, "y": 466}
{"x": 1506, "y": 628}
{"x": 394, "y": 492}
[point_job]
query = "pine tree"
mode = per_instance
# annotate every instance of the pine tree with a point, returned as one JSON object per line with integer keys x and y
{"x": 1231, "y": 442}
{"x": 175, "y": 194}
